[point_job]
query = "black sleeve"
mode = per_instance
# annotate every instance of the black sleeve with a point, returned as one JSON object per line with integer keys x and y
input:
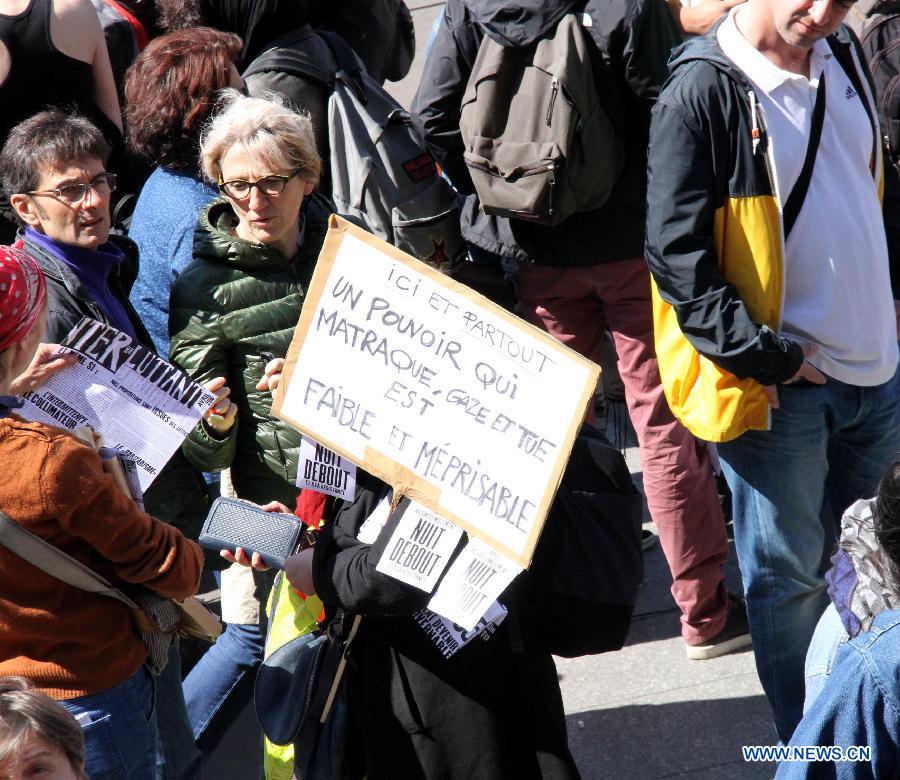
{"x": 681, "y": 203}
{"x": 650, "y": 36}
{"x": 344, "y": 568}
{"x": 436, "y": 106}
{"x": 892, "y": 221}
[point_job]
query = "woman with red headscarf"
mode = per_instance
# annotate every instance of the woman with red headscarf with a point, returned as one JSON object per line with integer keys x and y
{"x": 78, "y": 647}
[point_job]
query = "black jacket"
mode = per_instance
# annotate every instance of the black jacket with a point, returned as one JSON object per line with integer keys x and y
{"x": 633, "y": 38}
{"x": 179, "y": 495}
{"x": 488, "y": 711}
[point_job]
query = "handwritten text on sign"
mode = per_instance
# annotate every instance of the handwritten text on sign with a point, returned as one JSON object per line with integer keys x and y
{"x": 419, "y": 379}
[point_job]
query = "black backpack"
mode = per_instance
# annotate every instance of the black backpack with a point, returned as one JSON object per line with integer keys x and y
{"x": 578, "y": 594}
{"x": 878, "y": 26}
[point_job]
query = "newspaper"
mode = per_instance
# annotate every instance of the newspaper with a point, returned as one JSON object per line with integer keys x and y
{"x": 142, "y": 406}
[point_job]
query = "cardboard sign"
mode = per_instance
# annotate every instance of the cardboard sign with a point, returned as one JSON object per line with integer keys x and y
{"x": 445, "y": 396}
{"x": 472, "y": 583}
{"x": 419, "y": 549}
{"x": 319, "y": 468}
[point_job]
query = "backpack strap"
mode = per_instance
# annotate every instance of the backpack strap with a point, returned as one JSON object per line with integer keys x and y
{"x": 53, "y": 561}
{"x": 798, "y": 194}
{"x": 287, "y": 54}
{"x": 350, "y": 68}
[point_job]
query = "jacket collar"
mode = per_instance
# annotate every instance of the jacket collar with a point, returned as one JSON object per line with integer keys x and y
{"x": 125, "y": 272}
{"x": 705, "y": 48}
{"x": 521, "y": 23}
{"x": 215, "y": 242}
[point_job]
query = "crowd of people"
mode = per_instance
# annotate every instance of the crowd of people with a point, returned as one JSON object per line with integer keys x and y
{"x": 745, "y": 266}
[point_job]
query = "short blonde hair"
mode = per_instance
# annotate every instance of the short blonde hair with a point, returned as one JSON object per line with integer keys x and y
{"x": 272, "y": 134}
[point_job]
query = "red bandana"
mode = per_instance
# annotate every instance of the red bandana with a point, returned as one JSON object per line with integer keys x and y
{"x": 23, "y": 293}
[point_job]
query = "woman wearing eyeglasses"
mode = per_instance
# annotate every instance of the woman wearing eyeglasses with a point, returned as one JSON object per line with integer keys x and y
{"x": 231, "y": 311}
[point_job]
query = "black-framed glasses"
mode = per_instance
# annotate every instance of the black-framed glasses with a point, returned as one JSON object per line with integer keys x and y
{"x": 73, "y": 194}
{"x": 239, "y": 189}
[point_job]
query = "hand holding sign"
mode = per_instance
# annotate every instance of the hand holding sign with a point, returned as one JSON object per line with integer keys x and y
{"x": 448, "y": 398}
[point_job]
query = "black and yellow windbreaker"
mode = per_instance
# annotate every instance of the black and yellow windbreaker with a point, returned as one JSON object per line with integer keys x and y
{"x": 715, "y": 241}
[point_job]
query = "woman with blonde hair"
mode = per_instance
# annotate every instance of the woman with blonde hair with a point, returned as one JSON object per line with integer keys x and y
{"x": 233, "y": 310}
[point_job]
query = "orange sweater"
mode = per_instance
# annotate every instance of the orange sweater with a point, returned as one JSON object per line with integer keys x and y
{"x": 69, "y": 641}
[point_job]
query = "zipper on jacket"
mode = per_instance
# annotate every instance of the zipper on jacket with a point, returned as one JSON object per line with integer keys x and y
{"x": 554, "y": 91}
{"x": 759, "y": 131}
{"x": 878, "y": 162}
{"x": 888, "y": 97}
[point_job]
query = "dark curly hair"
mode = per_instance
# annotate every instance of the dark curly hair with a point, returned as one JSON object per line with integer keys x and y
{"x": 170, "y": 93}
{"x": 887, "y": 517}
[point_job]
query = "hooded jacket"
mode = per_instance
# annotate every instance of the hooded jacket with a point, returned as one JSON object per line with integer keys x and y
{"x": 236, "y": 300}
{"x": 715, "y": 241}
{"x": 633, "y": 40}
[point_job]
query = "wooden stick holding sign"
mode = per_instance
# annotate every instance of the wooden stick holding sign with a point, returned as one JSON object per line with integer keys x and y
{"x": 453, "y": 401}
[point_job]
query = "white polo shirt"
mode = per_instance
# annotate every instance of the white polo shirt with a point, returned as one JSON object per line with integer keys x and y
{"x": 837, "y": 280}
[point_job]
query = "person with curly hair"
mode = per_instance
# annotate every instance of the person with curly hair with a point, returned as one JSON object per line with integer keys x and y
{"x": 170, "y": 92}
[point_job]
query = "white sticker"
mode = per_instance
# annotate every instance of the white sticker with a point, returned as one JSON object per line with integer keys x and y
{"x": 369, "y": 530}
{"x": 472, "y": 583}
{"x": 326, "y": 471}
{"x": 420, "y": 547}
{"x": 449, "y": 638}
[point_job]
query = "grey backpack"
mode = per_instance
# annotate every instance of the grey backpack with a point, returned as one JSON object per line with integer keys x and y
{"x": 539, "y": 144}
{"x": 381, "y": 172}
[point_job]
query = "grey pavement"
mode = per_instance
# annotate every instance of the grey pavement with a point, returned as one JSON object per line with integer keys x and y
{"x": 644, "y": 712}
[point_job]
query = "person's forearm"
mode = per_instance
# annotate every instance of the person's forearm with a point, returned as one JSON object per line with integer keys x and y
{"x": 696, "y": 20}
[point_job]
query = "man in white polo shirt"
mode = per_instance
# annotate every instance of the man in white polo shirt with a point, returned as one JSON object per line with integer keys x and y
{"x": 775, "y": 321}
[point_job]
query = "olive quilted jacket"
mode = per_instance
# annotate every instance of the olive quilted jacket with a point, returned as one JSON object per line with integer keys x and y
{"x": 235, "y": 301}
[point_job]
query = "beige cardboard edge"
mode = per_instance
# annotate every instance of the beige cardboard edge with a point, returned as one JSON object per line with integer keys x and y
{"x": 403, "y": 480}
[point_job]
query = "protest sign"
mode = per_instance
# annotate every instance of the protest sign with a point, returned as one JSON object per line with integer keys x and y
{"x": 420, "y": 547}
{"x": 322, "y": 469}
{"x": 142, "y": 407}
{"x": 445, "y": 396}
{"x": 474, "y": 580}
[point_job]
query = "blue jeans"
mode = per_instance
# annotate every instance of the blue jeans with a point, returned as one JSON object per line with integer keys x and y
{"x": 220, "y": 686}
{"x": 828, "y": 446}
{"x": 119, "y": 726}
{"x": 178, "y": 757}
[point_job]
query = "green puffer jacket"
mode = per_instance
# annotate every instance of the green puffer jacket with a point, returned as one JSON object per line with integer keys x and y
{"x": 236, "y": 300}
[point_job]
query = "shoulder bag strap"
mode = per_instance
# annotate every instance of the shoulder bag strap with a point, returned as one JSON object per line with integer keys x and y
{"x": 55, "y": 562}
{"x": 795, "y": 200}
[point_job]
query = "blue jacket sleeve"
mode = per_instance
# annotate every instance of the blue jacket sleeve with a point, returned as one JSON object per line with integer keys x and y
{"x": 857, "y": 707}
